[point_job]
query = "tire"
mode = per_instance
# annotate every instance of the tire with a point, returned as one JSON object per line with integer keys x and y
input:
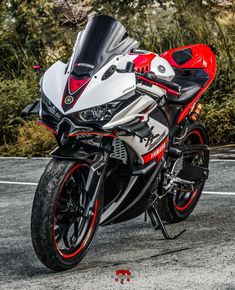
{"x": 57, "y": 202}
{"x": 168, "y": 209}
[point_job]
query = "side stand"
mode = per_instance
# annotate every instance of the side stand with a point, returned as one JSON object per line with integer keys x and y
{"x": 158, "y": 223}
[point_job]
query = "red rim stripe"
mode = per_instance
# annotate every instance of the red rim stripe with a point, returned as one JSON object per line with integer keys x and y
{"x": 68, "y": 256}
{"x": 195, "y": 192}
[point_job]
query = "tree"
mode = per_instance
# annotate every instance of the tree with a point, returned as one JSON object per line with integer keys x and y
{"x": 27, "y": 28}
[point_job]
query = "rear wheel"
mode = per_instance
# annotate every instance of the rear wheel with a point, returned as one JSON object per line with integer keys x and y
{"x": 61, "y": 234}
{"x": 179, "y": 205}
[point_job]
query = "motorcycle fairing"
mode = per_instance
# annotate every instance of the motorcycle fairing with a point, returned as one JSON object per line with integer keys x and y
{"x": 194, "y": 63}
{"x": 150, "y": 61}
{"x": 96, "y": 92}
{"x": 140, "y": 145}
{"x": 73, "y": 90}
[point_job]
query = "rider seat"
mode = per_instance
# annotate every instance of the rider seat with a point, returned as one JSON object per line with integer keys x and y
{"x": 188, "y": 91}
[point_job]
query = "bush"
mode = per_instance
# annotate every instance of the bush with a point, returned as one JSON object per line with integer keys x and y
{"x": 15, "y": 94}
{"x": 29, "y": 33}
{"x": 32, "y": 140}
{"x": 219, "y": 119}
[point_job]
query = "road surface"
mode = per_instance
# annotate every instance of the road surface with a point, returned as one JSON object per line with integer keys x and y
{"x": 202, "y": 258}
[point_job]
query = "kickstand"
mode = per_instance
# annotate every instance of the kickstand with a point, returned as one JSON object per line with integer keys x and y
{"x": 158, "y": 224}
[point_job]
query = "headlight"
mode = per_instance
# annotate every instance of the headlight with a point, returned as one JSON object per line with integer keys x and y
{"x": 51, "y": 107}
{"x": 97, "y": 114}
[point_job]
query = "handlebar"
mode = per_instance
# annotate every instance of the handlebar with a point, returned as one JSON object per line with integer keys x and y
{"x": 171, "y": 85}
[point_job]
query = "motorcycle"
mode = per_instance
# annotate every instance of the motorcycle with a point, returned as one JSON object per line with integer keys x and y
{"x": 129, "y": 140}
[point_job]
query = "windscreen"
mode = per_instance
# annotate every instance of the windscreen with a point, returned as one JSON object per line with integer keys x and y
{"x": 101, "y": 40}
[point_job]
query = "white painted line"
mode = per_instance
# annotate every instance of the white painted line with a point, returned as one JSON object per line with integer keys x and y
{"x": 25, "y": 158}
{"x": 224, "y": 146}
{"x": 222, "y": 160}
{"x": 35, "y": 184}
{"x": 49, "y": 158}
{"x": 18, "y": 183}
{"x": 219, "y": 192}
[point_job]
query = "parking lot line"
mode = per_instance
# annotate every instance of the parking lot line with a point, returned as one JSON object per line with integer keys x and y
{"x": 35, "y": 184}
{"x": 18, "y": 183}
{"x": 48, "y": 158}
{"x": 219, "y": 192}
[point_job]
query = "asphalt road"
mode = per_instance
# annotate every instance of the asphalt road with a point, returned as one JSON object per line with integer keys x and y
{"x": 202, "y": 258}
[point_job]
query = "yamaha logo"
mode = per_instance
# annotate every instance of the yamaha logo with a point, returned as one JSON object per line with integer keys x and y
{"x": 161, "y": 69}
{"x": 68, "y": 100}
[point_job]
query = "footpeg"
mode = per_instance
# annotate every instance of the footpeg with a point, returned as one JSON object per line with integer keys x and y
{"x": 175, "y": 152}
{"x": 158, "y": 223}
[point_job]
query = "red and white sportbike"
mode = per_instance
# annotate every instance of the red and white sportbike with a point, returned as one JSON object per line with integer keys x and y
{"x": 128, "y": 139}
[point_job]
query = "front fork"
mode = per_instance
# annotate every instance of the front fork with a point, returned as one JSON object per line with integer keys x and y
{"x": 97, "y": 161}
{"x": 96, "y": 175}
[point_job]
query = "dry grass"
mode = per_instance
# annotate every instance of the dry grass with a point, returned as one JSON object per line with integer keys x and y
{"x": 33, "y": 140}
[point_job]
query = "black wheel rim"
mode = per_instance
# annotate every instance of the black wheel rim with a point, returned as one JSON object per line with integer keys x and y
{"x": 71, "y": 229}
{"x": 185, "y": 196}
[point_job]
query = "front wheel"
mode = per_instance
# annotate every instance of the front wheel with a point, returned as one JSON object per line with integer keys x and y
{"x": 61, "y": 234}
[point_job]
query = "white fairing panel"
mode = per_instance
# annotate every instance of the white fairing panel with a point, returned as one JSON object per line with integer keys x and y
{"x": 99, "y": 92}
{"x": 53, "y": 83}
{"x": 162, "y": 68}
{"x": 141, "y": 146}
{"x": 96, "y": 93}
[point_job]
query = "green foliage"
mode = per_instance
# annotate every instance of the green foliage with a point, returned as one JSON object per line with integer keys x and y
{"x": 15, "y": 94}
{"x": 31, "y": 32}
{"x": 28, "y": 33}
{"x": 220, "y": 120}
{"x": 32, "y": 140}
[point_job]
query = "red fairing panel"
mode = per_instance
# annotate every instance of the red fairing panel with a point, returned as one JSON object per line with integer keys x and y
{"x": 202, "y": 58}
{"x": 75, "y": 84}
{"x": 143, "y": 62}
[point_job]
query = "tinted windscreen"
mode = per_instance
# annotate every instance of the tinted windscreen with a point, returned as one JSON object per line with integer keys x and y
{"x": 103, "y": 38}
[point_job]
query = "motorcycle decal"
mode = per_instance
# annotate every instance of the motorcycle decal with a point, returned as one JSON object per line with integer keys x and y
{"x": 92, "y": 133}
{"x": 161, "y": 68}
{"x": 143, "y": 146}
{"x": 69, "y": 99}
{"x": 84, "y": 64}
{"x": 151, "y": 142}
{"x": 157, "y": 153}
{"x": 47, "y": 127}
